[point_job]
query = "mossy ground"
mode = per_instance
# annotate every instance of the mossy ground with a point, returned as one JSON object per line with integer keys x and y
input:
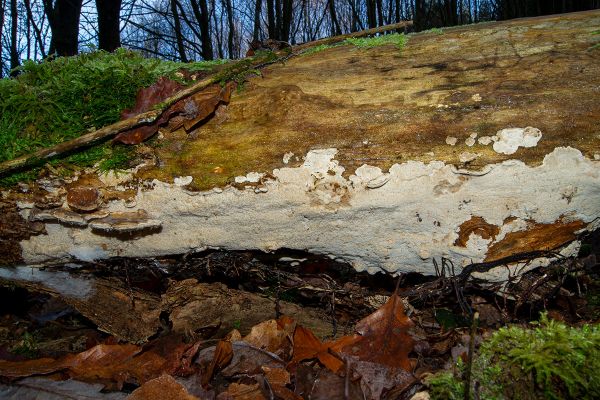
{"x": 54, "y": 101}
{"x": 549, "y": 360}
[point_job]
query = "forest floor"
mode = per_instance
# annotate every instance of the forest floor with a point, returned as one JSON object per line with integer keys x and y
{"x": 244, "y": 325}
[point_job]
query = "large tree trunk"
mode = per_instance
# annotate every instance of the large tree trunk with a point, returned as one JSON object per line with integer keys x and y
{"x": 372, "y": 13}
{"x": 2, "y": 12}
{"x": 109, "y": 33}
{"x": 420, "y": 15}
{"x": 385, "y": 158}
{"x": 14, "y": 23}
{"x": 63, "y": 17}
{"x": 257, "y": 12}
{"x": 230, "y": 29}
{"x": 271, "y": 19}
{"x": 286, "y": 20}
{"x": 335, "y": 25}
{"x": 178, "y": 32}
{"x": 200, "y": 9}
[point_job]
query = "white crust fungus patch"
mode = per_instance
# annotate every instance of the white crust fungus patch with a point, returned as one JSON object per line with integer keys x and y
{"x": 394, "y": 221}
{"x": 510, "y": 139}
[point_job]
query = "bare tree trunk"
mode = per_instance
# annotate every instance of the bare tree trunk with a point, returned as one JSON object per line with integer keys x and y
{"x": 63, "y": 17}
{"x": 231, "y": 28}
{"x": 218, "y": 30}
{"x": 14, "y": 54}
{"x": 335, "y": 25}
{"x": 2, "y": 8}
{"x": 200, "y": 9}
{"x": 257, "y": 12}
{"x": 109, "y": 35}
{"x": 178, "y": 33}
{"x": 286, "y": 20}
{"x": 419, "y": 18}
{"x": 36, "y": 28}
{"x": 278, "y": 23}
{"x": 271, "y": 19}
{"x": 371, "y": 14}
{"x": 356, "y": 21}
{"x": 379, "y": 5}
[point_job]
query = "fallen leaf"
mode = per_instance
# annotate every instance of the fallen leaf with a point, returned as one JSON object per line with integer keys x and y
{"x": 200, "y": 105}
{"x": 165, "y": 387}
{"x": 240, "y": 391}
{"x": 99, "y": 356}
{"x": 276, "y": 376}
{"x": 146, "y": 99}
{"x": 375, "y": 379}
{"x": 281, "y": 392}
{"x": 272, "y": 335}
{"x": 383, "y": 336}
{"x": 307, "y": 346}
{"x": 189, "y": 112}
{"x": 222, "y": 356}
{"x": 322, "y": 384}
{"x": 48, "y": 389}
{"x": 249, "y": 360}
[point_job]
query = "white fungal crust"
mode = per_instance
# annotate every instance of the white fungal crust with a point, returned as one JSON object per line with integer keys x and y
{"x": 396, "y": 221}
{"x": 510, "y": 139}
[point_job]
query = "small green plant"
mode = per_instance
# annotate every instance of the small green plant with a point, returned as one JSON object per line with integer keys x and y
{"x": 435, "y": 31}
{"x": 27, "y": 346}
{"x": 237, "y": 324}
{"x": 398, "y": 39}
{"x": 597, "y": 45}
{"x": 548, "y": 361}
{"x": 317, "y": 49}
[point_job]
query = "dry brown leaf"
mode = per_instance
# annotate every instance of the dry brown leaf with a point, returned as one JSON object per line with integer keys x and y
{"x": 272, "y": 335}
{"x": 240, "y": 391}
{"x": 146, "y": 99}
{"x": 99, "y": 356}
{"x": 165, "y": 387}
{"x": 375, "y": 379}
{"x": 383, "y": 336}
{"x": 281, "y": 392}
{"x": 307, "y": 346}
{"x": 276, "y": 376}
{"x": 321, "y": 384}
{"x": 188, "y": 112}
{"x": 222, "y": 356}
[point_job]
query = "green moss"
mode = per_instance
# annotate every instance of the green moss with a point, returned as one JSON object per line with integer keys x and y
{"x": 548, "y": 361}
{"x": 317, "y": 49}
{"x": 435, "y": 31}
{"x": 398, "y": 39}
{"x": 58, "y": 100}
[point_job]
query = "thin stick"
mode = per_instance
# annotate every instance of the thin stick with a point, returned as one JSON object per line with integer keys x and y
{"x": 470, "y": 357}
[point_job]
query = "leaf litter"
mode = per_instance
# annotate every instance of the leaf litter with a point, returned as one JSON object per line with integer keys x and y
{"x": 277, "y": 359}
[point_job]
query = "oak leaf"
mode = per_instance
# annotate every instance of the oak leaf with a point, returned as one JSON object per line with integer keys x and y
{"x": 384, "y": 336}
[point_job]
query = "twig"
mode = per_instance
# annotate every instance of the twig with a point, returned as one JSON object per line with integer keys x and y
{"x": 470, "y": 356}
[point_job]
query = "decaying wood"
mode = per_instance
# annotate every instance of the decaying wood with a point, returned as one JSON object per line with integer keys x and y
{"x": 187, "y": 307}
{"x": 151, "y": 116}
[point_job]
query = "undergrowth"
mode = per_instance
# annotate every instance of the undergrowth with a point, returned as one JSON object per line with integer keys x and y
{"x": 548, "y": 361}
{"x": 398, "y": 39}
{"x": 54, "y": 101}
